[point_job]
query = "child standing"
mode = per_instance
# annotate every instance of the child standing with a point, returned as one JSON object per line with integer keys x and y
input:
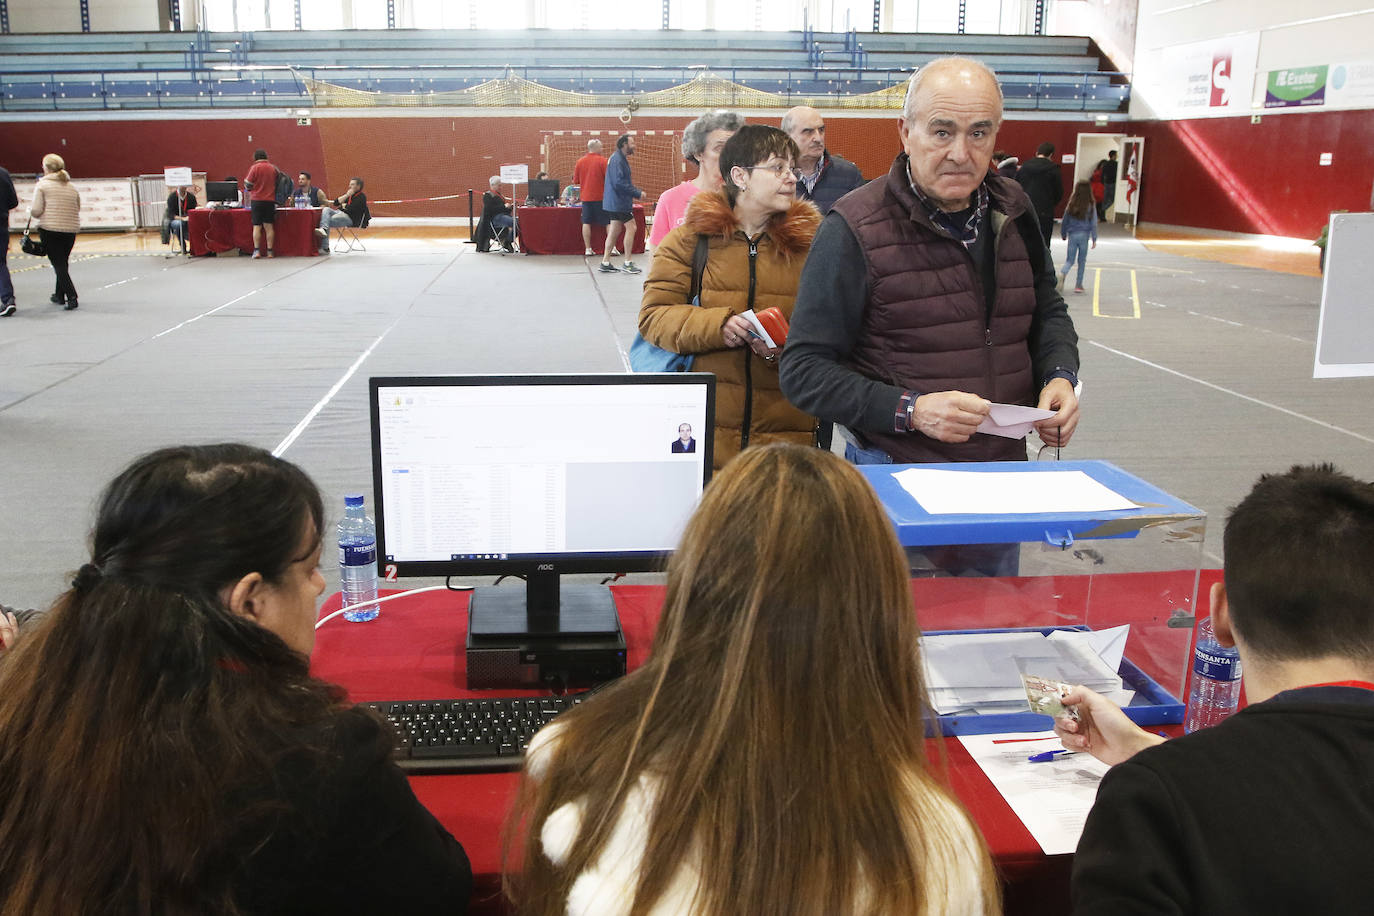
{"x": 1078, "y": 225}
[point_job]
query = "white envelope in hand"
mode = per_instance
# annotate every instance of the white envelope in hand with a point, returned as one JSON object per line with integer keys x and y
{"x": 1012, "y": 420}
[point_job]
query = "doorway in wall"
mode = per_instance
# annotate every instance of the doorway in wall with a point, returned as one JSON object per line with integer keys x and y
{"x": 1092, "y": 149}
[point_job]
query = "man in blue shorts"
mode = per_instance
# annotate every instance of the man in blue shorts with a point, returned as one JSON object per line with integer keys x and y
{"x": 589, "y": 174}
{"x": 618, "y": 197}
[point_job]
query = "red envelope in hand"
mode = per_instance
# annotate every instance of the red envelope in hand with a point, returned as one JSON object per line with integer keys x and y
{"x": 775, "y": 323}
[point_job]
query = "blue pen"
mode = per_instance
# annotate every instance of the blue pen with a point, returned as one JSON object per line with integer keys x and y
{"x": 1047, "y": 756}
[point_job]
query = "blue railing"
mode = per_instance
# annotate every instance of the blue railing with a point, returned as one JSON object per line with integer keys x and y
{"x": 258, "y": 87}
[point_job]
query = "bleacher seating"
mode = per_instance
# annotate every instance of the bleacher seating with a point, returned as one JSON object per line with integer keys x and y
{"x": 168, "y": 69}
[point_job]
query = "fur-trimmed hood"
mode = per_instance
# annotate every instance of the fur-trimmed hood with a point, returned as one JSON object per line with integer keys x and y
{"x": 792, "y": 231}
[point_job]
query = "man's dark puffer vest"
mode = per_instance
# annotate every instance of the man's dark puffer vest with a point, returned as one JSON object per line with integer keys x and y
{"x": 927, "y": 326}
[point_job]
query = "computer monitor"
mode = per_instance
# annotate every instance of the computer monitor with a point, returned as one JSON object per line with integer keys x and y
{"x": 543, "y": 190}
{"x": 537, "y": 476}
{"x": 222, "y": 191}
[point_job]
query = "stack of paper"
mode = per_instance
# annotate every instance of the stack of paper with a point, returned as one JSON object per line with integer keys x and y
{"x": 980, "y": 673}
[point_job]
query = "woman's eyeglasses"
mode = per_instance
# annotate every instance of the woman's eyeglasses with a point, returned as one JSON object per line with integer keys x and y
{"x": 780, "y": 169}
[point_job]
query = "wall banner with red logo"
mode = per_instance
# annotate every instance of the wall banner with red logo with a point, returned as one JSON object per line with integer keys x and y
{"x": 1204, "y": 79}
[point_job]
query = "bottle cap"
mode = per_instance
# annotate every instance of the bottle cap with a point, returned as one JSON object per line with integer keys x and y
{"x": 353, "y": 499}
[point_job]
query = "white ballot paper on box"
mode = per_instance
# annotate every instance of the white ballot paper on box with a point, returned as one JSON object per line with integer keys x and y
{"x": 942, "y": 492}
{"x": 1051, "y": 798}
{"x": 1012, "y": 421}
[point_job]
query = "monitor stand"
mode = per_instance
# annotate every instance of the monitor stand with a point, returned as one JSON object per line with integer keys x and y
{"x": 544, "y": 635}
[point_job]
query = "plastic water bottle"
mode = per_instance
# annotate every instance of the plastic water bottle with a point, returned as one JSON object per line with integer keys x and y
{"x": 1214, "y": 689}
{"x": 300, "y": 201}
{"x": 358, "y": 560}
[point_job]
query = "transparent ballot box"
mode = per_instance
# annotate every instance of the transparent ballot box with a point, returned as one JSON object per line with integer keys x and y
{"x": 1058, "y": 572}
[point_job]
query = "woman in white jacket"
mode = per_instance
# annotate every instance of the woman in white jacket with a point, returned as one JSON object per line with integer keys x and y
{"x": 57, "y": 207}
{"x": 769, "y": 757}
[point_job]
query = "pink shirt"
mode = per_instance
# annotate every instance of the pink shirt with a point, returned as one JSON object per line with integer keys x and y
{"x": 671, "y": 210}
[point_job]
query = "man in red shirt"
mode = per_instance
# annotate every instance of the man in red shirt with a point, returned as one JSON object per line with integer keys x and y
{"x": 589, "y": 174}
{"x": 261, "y": 183}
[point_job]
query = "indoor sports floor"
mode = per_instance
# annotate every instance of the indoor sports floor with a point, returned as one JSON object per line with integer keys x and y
{"x": 1197, "y": 373}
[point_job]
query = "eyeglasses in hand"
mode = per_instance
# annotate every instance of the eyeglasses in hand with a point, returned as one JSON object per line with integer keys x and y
{"x": 780, "y": 169}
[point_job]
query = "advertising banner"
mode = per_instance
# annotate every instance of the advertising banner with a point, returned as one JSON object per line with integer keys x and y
{"x": 1205, "y": 79}
{"x": 1296, "y": 87}
{"x": 1351, "y": 85}
{"x": 106, "y": 203}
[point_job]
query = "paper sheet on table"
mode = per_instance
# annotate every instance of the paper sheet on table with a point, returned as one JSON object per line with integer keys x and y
{"x": 749, "y": 316}
{"x": 1012, "y": 421}
{"x": 980, "y": 673}
{"x": 1052, "y": 798}
{"x": 1008, "y": 492}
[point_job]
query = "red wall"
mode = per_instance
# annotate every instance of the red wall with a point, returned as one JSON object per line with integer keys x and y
{"x": 1213, "y": 173}
{"x": 103, "y": 149}
{"x": 1229, "y": 174}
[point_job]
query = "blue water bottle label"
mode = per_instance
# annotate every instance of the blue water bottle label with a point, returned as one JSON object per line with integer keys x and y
{"x": 1216, "y": 667}
{"x": 358, "y": 555}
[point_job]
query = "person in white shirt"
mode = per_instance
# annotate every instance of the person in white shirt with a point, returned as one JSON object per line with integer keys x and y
{"x": 770, "y": 755}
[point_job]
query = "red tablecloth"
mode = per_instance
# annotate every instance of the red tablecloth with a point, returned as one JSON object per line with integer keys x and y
{"x": 558, "y": 230}
{"x": 227, "y": 229}
{"x": 414, "y": 650}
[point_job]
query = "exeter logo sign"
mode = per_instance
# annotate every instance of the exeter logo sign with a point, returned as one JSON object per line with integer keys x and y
{"x": 1296, "y": 87}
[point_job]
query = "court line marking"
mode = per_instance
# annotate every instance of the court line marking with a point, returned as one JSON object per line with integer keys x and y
{"x": 295, "y": 434}
{"x": 138, "y": 343}
{"x": 1097, "y": 295}
{"x": 1231, "y": 391}
{"x": 310, "y": 415}
{"x": 1235, "y": 324}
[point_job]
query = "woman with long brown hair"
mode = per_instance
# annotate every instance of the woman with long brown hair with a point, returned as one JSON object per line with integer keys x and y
{"x": 163, "y": 748}
{"x": 769, "y": 757}
{"x": 1078, "y": 225}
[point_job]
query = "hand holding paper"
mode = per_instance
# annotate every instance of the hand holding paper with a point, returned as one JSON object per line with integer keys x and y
{"x": 1012, "y": 420}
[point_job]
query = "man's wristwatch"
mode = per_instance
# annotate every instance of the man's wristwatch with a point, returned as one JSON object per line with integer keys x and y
{"x": 1064, "y": 373}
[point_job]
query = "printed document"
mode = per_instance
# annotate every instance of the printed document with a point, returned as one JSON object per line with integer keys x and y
{"x": 1051, "y": 798}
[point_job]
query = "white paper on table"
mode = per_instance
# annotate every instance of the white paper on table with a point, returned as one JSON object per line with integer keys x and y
{"x": 1012, "y": 421}
{"x": 1051, "y": 798}
{"x": 943, "y": 492}
{"x": 749, "y": 316}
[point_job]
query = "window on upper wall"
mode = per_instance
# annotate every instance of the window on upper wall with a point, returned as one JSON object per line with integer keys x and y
{"x": 321, "y": 14}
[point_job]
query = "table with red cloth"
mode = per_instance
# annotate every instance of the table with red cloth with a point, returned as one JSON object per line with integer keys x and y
{"x": 558, "y": 230}
{"x": 415, "y": 651}
{"x": 228, "y": 228}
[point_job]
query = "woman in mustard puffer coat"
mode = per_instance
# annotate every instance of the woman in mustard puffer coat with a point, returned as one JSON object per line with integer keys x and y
{"x": 759, "y": 234}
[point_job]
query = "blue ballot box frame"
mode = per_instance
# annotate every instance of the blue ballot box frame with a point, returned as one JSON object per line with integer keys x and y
{"x": 1152, "y": 704}
{"x": 1172, "y": 520}
{"x": 918, "y": 528}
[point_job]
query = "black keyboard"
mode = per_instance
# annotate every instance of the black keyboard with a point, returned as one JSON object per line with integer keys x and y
{"x": 472, "y": 735}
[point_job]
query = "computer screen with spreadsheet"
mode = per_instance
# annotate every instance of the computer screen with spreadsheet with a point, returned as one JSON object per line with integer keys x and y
{"x": 537, "y": 475}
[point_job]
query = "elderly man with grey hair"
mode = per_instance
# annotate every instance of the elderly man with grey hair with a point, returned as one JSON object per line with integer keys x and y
{"x": 825, "y": 177}
{"x": 928, "y": 295}
{"x": 701, "y": 144}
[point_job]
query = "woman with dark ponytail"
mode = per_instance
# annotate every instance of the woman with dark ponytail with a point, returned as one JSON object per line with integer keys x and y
{"x": 163, "y": 748}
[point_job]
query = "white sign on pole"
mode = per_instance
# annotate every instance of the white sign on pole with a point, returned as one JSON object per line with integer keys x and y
{"x": 515, "y": 174}
{"x": 178, "y": 176}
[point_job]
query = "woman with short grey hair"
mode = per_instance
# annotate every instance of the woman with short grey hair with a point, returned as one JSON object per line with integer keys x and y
{"x": 701, "y": 143}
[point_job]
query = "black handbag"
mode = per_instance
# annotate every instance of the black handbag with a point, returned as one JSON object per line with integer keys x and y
{"x": 32, "y": 246}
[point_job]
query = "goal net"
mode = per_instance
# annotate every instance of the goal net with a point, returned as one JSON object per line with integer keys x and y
{"x": 655, "y": 167}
